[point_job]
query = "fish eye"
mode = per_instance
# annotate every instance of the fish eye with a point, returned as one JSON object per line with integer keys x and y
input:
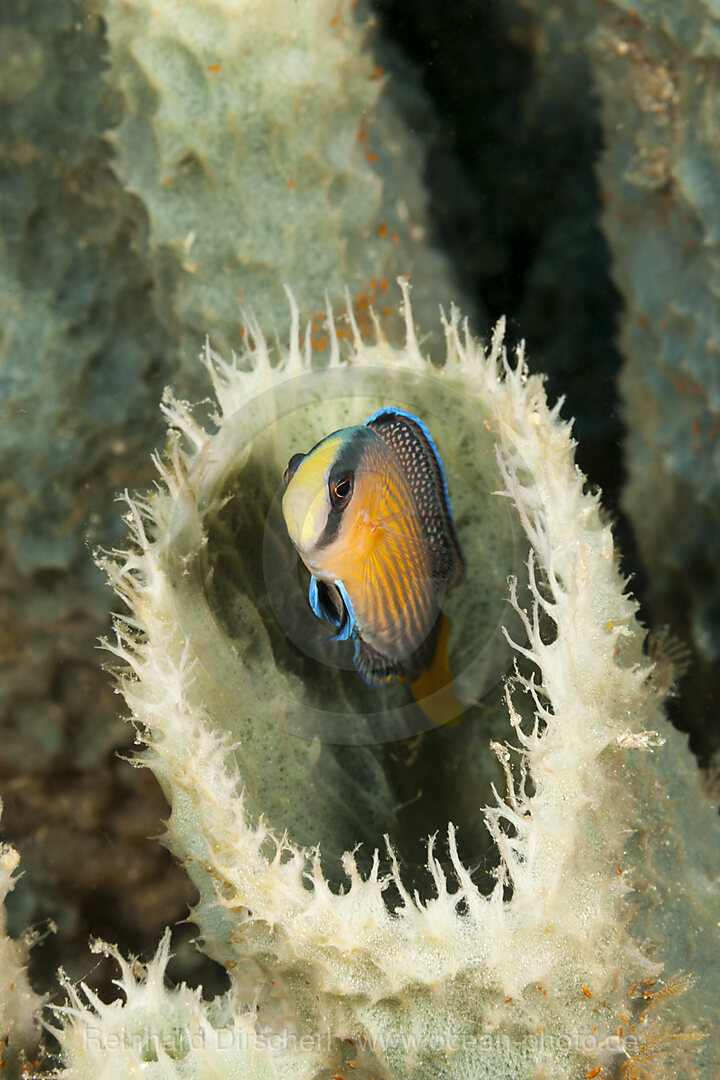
{"x": 292, "y": 467}
{"x": 341, "y": 490}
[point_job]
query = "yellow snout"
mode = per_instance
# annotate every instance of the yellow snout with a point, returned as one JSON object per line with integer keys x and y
{"x": 306, "y": 504}
{"x": 305, "y": 509}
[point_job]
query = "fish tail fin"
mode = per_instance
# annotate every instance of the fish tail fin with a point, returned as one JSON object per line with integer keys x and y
{"x": 433, "y": 689}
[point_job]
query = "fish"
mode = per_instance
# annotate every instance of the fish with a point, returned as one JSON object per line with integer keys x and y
{"x": 368, "y": 511}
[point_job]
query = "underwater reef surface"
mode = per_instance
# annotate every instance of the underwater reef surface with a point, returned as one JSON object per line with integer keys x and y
{"x": 102, "y": 301}
{"x": 657, "y": 69}
{"x": 83, "y": 361}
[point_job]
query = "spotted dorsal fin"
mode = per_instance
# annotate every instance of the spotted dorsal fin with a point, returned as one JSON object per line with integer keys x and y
{"x": 423, "y": 471}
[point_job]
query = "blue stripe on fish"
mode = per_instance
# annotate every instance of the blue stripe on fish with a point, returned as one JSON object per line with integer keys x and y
{"x": 326, "y": 608}
{"x": 352, "y": 626}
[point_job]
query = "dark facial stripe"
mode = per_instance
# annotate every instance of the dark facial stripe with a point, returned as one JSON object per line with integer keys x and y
{"x": 330, "y": 532}
{"x": 348, "y": 459}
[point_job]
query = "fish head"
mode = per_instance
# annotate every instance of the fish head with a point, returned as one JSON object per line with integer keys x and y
{"x": 320, "y": 487}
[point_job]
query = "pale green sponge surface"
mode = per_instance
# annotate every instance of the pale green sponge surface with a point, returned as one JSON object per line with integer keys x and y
{"x": 410, "y": 970}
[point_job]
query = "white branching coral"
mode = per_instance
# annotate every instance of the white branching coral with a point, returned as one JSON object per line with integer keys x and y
{"x": 156, "y": 1032}
{"x": 434, "y": 979}
{"x": 19, "y": 1004}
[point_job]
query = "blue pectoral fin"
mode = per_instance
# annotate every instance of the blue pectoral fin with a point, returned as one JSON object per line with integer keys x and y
{"x": 347, "y": 625}
{"x": 314, "y": 600}
{"x": 332, "y": 603}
